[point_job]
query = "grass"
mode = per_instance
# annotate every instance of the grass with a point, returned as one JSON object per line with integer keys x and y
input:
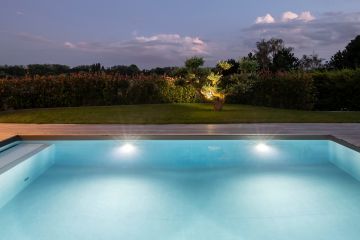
{"x": 174, "y": 113}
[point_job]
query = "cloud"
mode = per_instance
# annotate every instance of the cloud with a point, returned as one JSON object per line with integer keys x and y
{"x": 306, "y": 16}
{"x": 325, "y": 34}
{"x": 33, "y": 38}
{"x": 289, "y": 16}
{"x": 169, "y": 46}
{"x": 162, "y": 48}
{"x": 69, "y": 45}
{"x": 173, "y": 42}
{"x": 286, "y": 17}
{"x": 265, "y": 19}
{"x": 20, "y": 13}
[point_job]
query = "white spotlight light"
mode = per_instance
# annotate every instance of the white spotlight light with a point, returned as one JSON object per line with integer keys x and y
{"x": 262, "y": 147}
{"x": 127, "y": 148}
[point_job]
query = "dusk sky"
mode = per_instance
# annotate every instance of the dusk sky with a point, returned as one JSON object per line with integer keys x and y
{"x": 166, "y": 32}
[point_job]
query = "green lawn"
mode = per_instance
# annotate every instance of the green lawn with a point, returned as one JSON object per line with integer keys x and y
{"x": 174, "y": 113}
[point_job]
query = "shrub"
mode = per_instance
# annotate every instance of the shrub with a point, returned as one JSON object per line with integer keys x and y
{"x": 337, "y": 90}
{"x": 283, "y": 90}
{"x": 329, "y": 90}
{"x": 85, "y": 89}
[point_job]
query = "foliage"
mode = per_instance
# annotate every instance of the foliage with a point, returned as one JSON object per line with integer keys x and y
{"x": 214, "y": 78}
{"x": 193, "y": 73}
{"x": 283, "y": 90}
{"x": 211, "y": 89}
{"x": 337, "y": 90}
{"x": 352, "y": 53}
{"x": 206, "y": 81}
{"x": 87, "y": 89}
{"x": 349, "y": 57}
{"x": 163, "y": 71}
{"x": 271, "y": 76}
{"x": 311, "y": 62}
{"x": 12, "y": 71}
{"x": 284, "y": 60}
{"x": 224, "y": 65}
{"x": 337, "y": 61}
{"x": 131, "y": 70}
{"x": 275, "y": 56}
{"x": 227, "y": 68}
{"x": 248, "y": 66}
{"x": 47, "y": 69}
{"x": 266, "y": 51}
{"x": 326, "y": 90}
{"x": 194, "y": 63}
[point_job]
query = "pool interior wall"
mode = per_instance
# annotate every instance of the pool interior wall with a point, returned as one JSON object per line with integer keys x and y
{"x": 183, "y": 189}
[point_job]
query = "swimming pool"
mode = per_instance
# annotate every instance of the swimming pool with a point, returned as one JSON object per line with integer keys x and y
{"x": 208, "y": 188}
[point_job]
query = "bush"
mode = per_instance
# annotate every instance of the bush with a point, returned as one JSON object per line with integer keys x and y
{"x": 283, "y": 90}
{"x": 90, "y": 89}
{"x": 337, "y": 90}
{"x": 331, "y": 90}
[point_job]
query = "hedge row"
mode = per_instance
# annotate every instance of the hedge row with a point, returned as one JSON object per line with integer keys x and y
{"x": 284, "y": 90}
{"x": 336, "y": 90}
{"x": 331, "y": 90}
{"x": 90, "y": 89}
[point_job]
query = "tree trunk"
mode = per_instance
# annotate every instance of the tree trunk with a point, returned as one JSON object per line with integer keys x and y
{"x": 218, "y": 105}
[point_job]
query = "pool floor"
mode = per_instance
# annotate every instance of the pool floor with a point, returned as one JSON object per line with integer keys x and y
{"x": 291, "y": 202}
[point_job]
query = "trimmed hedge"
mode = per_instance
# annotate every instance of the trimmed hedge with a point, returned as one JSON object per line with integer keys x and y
{"x": 282, "y": 90}
{"x": 90, "y": 89}
{"x": 337, "y": 90}
{"x": 329, "y": 90}
{"x": 332, "y": 90}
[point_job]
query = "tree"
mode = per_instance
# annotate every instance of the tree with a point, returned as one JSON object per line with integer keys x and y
{"x": 349, "y": 57}
{"x": 168, "y": 71}
{"x": 248, "y": 65}
{"x": 337, "y": 61}
{"x": 12, "y": 71}
{"x": 196, "y": 75}
{"x": 194, "y": 63}
{"x": 205, "y": 81}
{"x": 47, "y": 69}
{"x": 80, "y": 68}
{"x": 212, "y": 91}
{"x": 131, "y": 70}
{"x": 310, "y": 62}
{"x": 274, "y": 55}
{"x": 228, "y": 67}
{"x": 352, "y": 53}
{"x": 95, "y": 67}
{"x": 266, "y": 51}
{"x": 284, "y": 60}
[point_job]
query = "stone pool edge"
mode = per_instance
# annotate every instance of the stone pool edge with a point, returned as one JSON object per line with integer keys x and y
{"x": 333, "y": 138}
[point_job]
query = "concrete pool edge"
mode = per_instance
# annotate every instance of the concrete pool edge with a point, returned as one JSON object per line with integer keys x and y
{"x": 181, "y": 137}
{"x": 13, "y": 161}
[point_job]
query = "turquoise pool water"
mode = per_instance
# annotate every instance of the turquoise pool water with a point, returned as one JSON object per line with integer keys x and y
{"x": 183, "y": 189}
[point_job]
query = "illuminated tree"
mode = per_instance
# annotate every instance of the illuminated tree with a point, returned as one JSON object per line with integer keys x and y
{"x": 212, "y": 90}
{"x": 206, "y": 81}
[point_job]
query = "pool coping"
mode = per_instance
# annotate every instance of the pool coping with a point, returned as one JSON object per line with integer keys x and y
{"x": 180, "y": 137}
{"x": 24, "y": 157}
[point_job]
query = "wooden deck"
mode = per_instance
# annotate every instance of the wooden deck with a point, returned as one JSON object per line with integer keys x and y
{"x": 348, "y": 132}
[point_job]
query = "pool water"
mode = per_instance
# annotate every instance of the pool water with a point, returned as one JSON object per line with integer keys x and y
{"x": 185, "y": 189}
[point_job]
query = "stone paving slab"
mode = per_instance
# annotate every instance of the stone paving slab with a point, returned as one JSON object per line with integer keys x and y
{"x": 349, "y": 132}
